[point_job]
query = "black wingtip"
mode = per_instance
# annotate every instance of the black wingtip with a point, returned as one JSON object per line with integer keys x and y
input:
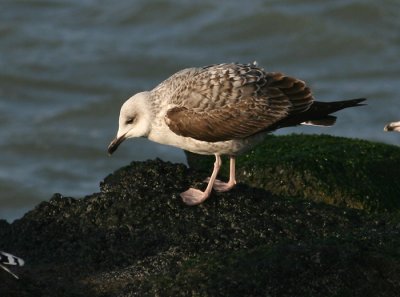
{"x": 338, "y": 105}
{"x": 357, "y": 101}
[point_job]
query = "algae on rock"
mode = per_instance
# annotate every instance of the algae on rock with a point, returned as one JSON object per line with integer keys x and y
{"x": 137, "y": 238}
{"x": 336, "y": 170}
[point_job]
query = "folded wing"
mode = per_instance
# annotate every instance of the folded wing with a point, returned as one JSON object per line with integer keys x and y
{"x": 231, "y": 101}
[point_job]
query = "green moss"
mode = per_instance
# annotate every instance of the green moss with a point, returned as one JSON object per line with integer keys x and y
{"x": 336, "y": 170}
{"x": 285, "y": 269}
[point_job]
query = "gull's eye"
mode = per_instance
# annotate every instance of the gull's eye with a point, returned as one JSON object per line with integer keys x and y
{"x": 129, "y": 121}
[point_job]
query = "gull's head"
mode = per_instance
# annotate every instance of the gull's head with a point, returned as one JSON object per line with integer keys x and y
{"x": 134, "y": 120}
{"x": 395, "y": 126}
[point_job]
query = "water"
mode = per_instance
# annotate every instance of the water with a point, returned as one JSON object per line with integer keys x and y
{"x": 67, "y": 66}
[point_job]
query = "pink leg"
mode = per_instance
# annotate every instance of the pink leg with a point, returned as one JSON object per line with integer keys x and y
{"x": 223, "y": 187}
{"x": 194, "y": 196}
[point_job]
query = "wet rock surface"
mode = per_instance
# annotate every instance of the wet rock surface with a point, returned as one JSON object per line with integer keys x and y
{"x": 136, "y": 238}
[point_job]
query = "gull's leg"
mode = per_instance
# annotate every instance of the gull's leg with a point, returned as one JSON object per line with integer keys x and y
{"x": 223, "y": 187}
{"x": 194, "y": 196}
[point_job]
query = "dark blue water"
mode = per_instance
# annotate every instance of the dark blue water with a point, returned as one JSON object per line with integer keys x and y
{"x": 67, "y": 66}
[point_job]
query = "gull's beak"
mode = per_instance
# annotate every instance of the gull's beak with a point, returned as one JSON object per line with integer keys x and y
{"x": 115, "y": 144}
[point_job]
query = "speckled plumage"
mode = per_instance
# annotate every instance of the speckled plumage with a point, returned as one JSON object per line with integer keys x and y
{"x": 221, "y": 109}
{"x": 233, "y": 101}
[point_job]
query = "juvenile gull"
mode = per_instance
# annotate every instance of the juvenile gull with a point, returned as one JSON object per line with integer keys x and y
{"x": 219, "y": 110}
{"x": 394, "y": 126}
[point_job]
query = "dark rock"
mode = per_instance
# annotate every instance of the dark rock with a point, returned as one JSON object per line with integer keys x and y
{"x": 335, "y": 170}
{"x": 136, "y": 238}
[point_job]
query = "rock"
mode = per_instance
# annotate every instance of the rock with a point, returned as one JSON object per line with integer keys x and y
{"x": 335, "y": 170}
{"x": 136, "y": 238}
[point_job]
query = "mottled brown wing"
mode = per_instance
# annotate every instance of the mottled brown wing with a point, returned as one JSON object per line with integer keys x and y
{"x": 231, "y": 101}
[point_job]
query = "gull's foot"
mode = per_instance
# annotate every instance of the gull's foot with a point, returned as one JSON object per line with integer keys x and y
{"x": 221, "y": 186}
{"x": 193, "y": 196}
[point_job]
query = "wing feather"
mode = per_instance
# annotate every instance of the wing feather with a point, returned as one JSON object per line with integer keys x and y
{"x": 230, "y": 101}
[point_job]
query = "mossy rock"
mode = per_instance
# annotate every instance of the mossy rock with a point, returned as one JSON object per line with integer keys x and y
{"x": 340, "y": 171}
{"x": 137, "y": 238}
{"x": 320, "y": 268}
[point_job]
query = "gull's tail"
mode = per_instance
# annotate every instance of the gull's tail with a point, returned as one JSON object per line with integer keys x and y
{"x": 319, "y": 113}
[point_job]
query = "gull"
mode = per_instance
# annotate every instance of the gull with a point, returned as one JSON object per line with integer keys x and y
{"x": 394, "y": 126}
{"x": 222, "y": 109}
{"x": 8, "y": 259}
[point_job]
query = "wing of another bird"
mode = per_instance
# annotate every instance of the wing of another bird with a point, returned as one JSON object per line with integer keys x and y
{"x": 230, "y": 101}
{"x": 8, "y": 259}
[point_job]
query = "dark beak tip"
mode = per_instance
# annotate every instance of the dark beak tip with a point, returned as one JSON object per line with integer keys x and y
{"x": 114, "y": 145}
{"x": 111, "y": 148}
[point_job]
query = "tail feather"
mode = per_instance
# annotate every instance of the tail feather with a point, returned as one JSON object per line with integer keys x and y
{"x": 330, "y": 107}
{"x": 318, "y": 114}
